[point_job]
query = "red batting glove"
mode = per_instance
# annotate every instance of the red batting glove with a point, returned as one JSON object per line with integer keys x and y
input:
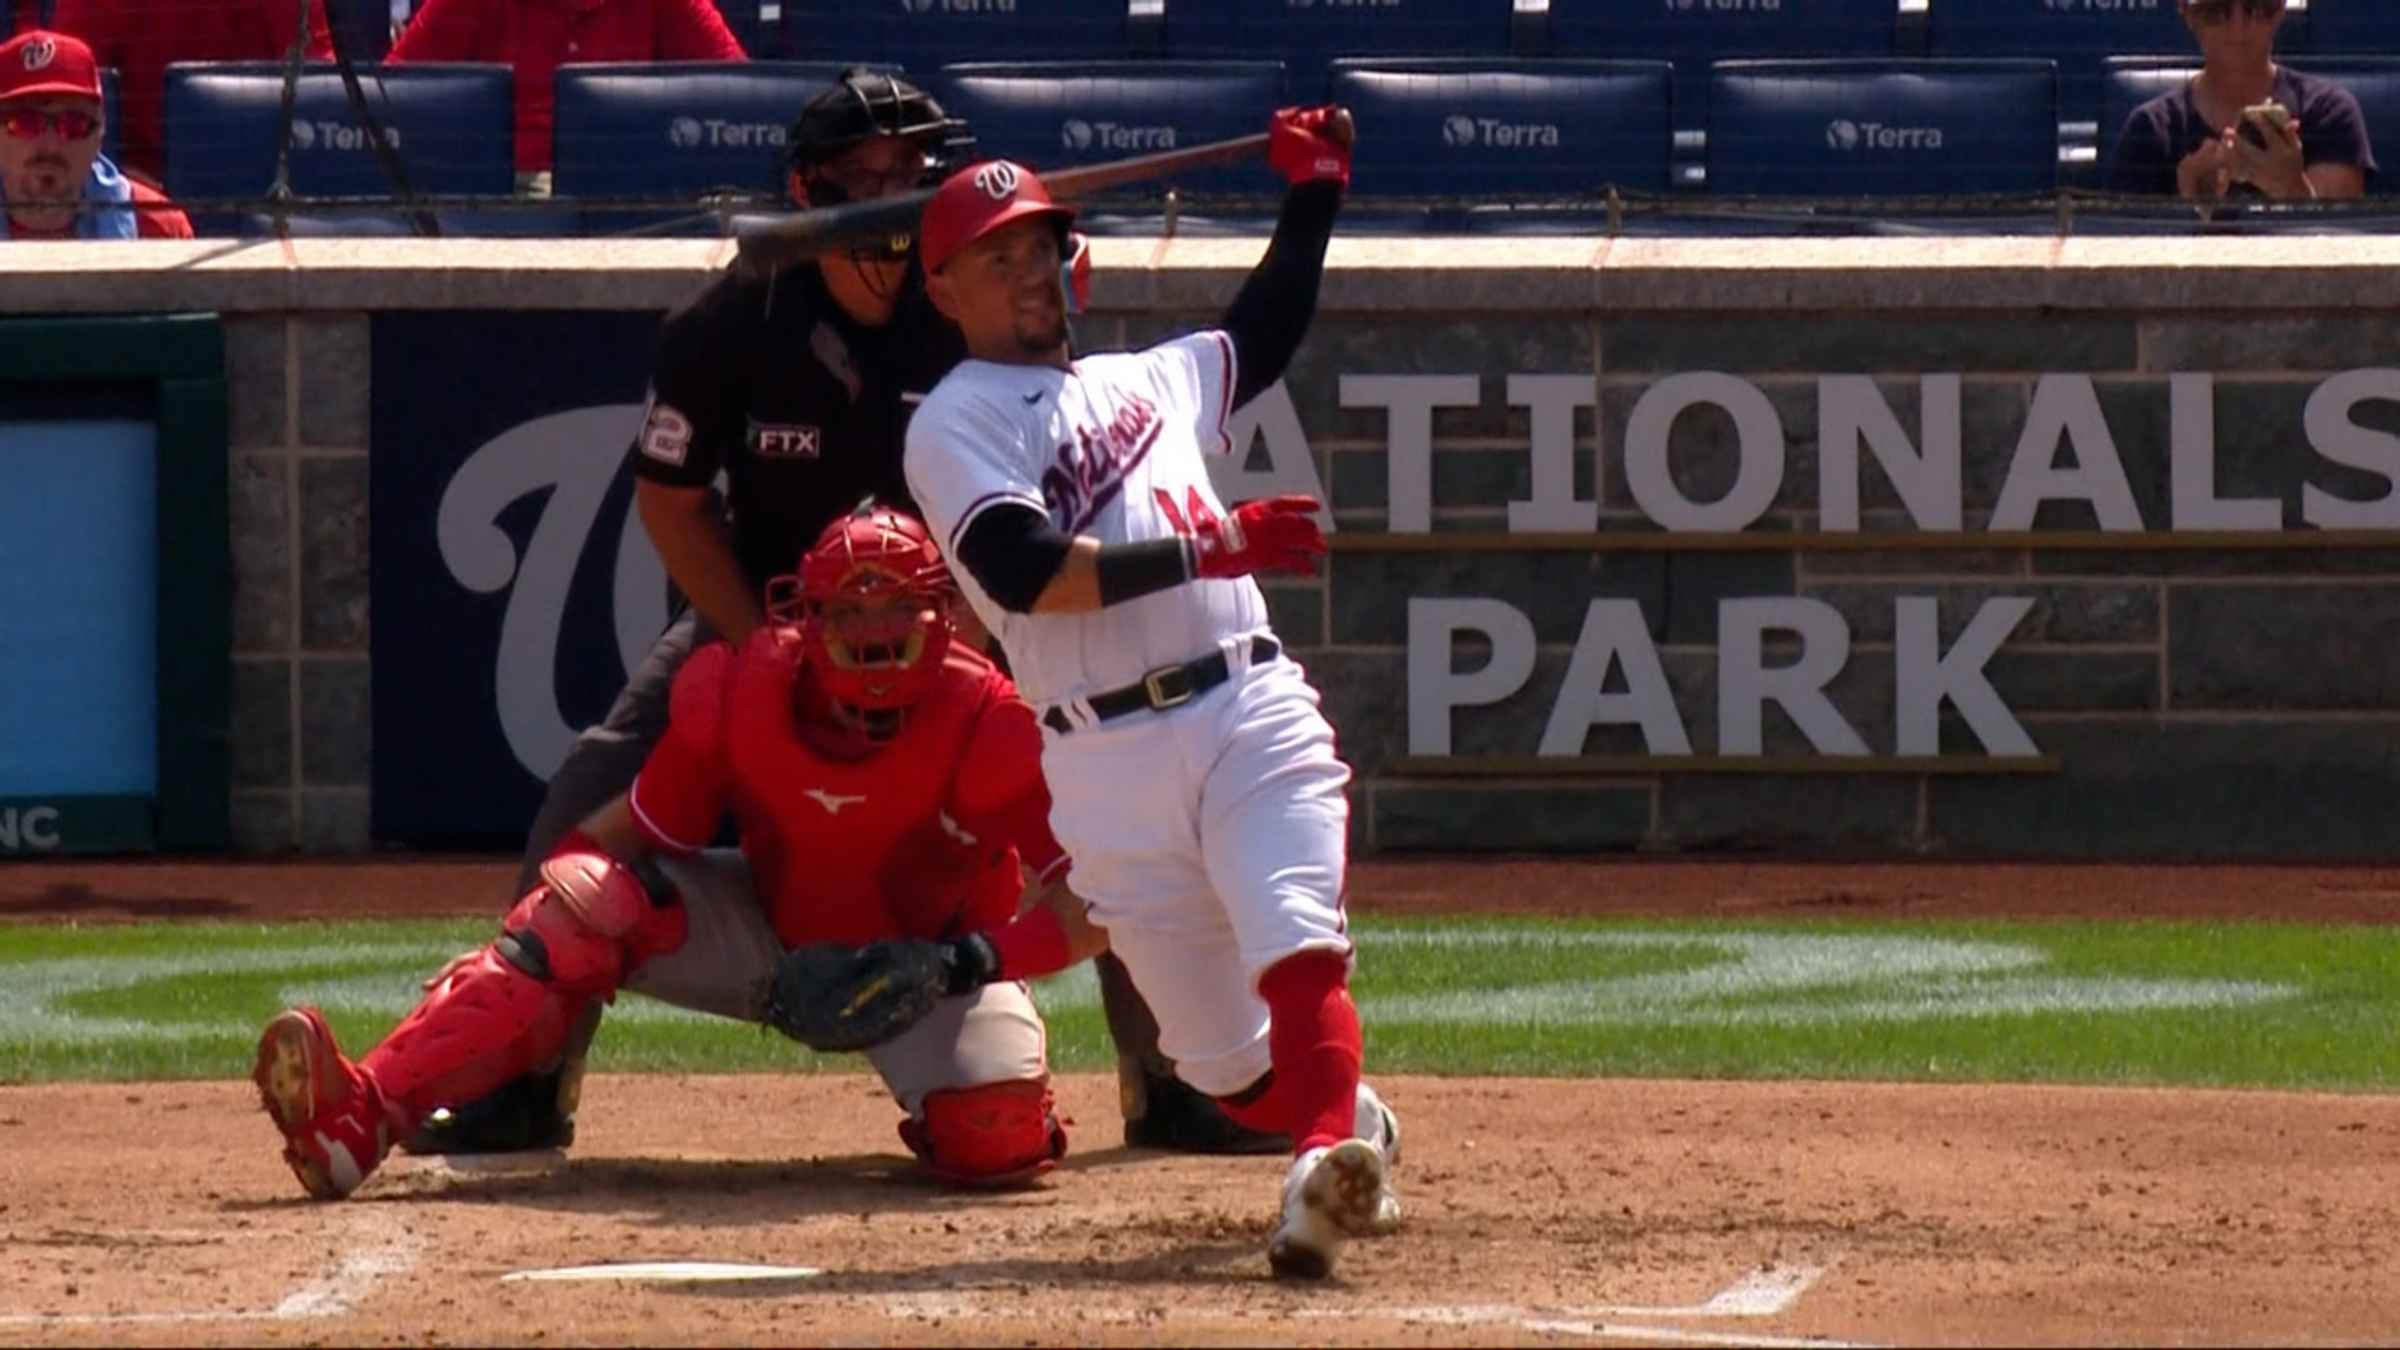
{"x": 1305, "y": 147}
{"x": 1278, "y": 534}
{"x": 1077, "y": 272}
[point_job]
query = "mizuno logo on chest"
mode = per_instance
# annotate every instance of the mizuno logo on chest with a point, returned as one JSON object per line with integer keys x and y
{"x": 833, "y": 802}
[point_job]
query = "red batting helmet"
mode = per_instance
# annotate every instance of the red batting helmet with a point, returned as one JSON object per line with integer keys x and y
{"x": 872, "y": 603}
{"x": 979, "y": 199}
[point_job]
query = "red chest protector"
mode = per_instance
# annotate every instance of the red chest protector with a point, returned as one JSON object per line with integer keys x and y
{"x": 855, "y": 850}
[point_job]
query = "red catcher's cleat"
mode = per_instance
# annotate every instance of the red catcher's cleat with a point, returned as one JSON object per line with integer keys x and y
{"x": 334, "y": 1134}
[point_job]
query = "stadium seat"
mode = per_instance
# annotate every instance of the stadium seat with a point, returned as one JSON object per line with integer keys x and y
{"x": 365, "y": 28}
{"x": 1702, "y": 32}
{"x": 1307, "y": 35}
{"x": 109, "y": 143}
{"x": 2077, "y": 37}
{"x": 1506, "y": 129}
{"x": 676, "y": 129}
{"x": 1882, "y": 127}
{"x": 756, "y": 24}
{"x": 924, "y": 34}
{"x": 2131, "y": 81}
{"x": 2345, "y": 27}
{"x": 452, "y": 126}
{"x": 1693, "y": 35}
{"x": 941, "y": 32}
{"x": 809, "y": 30}
{"x": 1087, "y": 113}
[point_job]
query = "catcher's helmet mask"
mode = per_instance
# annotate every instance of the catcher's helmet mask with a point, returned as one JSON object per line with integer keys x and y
{"x": 860, "y": 106}
{"x": 869, "y": 609}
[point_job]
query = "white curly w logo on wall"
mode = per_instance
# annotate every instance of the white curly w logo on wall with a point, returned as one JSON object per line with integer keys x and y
{"x": 572, "y": 457}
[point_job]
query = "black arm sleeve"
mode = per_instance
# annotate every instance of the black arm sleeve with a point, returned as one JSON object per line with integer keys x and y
{"x": 1014, "y": 552}
{"x": 1270, "y": 316}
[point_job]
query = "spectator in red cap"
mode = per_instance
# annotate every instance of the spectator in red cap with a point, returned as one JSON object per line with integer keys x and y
{"x": 139, "y": 38}
{"x": 538, "y": 36}
{"x": 54, "y": 182}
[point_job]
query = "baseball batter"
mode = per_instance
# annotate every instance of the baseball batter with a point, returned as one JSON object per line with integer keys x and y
{"x": 887, "y": 784}
{"x": 1193, "y": 778}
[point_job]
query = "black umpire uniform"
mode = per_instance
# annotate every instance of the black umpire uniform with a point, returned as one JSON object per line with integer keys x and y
{"x": 802, "y": 408}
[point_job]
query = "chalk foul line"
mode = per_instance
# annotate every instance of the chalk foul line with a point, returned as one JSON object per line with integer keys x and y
{"x": 382, "y": 1249}
{"x": 389, "y": 1250}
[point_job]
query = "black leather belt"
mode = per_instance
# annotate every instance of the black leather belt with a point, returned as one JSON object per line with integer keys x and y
{"x": 1166, "y": 687}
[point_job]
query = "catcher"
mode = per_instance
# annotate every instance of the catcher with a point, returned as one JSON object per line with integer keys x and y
{"x": 888, "y": 787}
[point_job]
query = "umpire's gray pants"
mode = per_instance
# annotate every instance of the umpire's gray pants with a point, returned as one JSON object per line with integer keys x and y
{"x": 993, "y": 1035}
{"x": 609, "y": 755}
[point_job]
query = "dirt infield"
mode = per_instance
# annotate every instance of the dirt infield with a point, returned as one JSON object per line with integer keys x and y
{"x": 1540, "y": 1212}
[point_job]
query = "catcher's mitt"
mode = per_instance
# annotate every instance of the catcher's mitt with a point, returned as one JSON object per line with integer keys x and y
{"x": 835, "y": 998}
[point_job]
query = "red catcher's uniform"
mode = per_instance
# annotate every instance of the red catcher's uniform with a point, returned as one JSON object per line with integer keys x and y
{"x": 920, "y": 839}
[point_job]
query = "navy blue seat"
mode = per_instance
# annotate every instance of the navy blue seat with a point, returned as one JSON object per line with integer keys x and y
{"x": 1882, "y": 127}
{"x": 452, "y": 126}
{"x": 109, "y": 140}
{"x": 1508, "y": 129}
{"x": 1065, "y": 114}
{"x": 865, "y": 30}
{"x": 2344, "y": 27}
{"x": 2131, "y": 81}
{"x": 676, "y": 129}
{"x": 943, "y": 32}
{"x": 924, "y": 34}
{"x": 2079, "y": 38}
{"x": 756, "y": 24}
{"x": 1307, "y": 35}
{"x": 364, "y": 26}
{"x": 1692, "y": 36}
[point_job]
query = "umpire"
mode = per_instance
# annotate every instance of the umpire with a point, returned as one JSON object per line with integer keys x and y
{"x": 797, "y": 389}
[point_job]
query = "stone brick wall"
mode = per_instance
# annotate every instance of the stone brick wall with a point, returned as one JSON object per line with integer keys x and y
{"x": 2235, "y": 702}
{"x": 301, "y": 733}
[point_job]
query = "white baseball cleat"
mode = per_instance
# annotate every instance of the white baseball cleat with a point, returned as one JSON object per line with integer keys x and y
{"x": 1332, "y": 1192}
{"x": 1379, "y": 1126}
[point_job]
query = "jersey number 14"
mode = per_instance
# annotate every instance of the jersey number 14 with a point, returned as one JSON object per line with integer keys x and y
{"x": 1194, "y": 513}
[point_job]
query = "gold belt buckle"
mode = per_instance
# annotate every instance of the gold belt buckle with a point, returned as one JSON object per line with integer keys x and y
{"x": 1154, "y": 685}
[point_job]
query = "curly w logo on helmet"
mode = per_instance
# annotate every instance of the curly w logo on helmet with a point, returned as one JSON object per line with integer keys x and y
{"x": 998, "y": 180}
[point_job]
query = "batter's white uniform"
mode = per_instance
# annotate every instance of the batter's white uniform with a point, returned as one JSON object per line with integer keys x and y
{"x": 1210, "y": 839}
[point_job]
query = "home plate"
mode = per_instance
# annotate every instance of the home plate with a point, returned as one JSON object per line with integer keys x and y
{"x": 482, "y": 1164}
{"x": 669, "y": 1272}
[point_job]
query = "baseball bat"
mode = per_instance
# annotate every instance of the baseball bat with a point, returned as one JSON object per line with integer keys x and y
{"x": 766, "y": 242}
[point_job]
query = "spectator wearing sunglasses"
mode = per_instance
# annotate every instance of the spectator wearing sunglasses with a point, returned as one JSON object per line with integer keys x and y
{"x": 54, "y": 182}
{"x": 2202, "y": 142}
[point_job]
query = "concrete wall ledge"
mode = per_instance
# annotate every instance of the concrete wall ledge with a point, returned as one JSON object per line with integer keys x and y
{"x": 1367, "y": 275}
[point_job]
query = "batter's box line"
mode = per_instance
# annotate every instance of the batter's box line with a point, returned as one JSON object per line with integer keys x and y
{"x": 1767, "y": 1292}
{"x": 383, "y": 1249}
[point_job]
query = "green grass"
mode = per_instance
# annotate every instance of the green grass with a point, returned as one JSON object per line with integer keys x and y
{"x": 2256, "y": 1005}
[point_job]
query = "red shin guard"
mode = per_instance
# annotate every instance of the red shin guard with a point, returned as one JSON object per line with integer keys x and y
{"x": 485, "y": 1023}
{"x": 1313, "y": 1041}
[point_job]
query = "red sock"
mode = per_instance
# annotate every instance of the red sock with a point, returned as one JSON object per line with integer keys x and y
{"x": 1313, "y": 1041}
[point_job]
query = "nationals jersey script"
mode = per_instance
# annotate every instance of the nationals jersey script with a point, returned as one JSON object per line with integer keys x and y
{"x": 1112, "y": 448}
